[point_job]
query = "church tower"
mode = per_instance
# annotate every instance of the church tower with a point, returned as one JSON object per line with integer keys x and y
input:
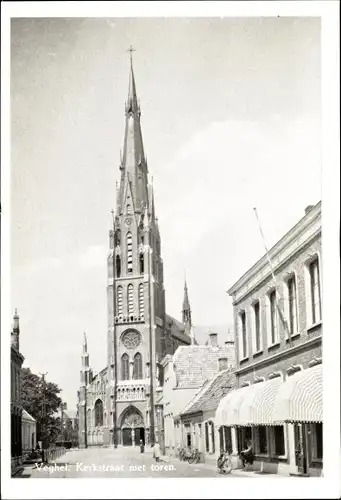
{"x": 135, "y": 291}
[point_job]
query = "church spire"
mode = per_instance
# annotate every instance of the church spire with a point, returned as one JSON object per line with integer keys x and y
{"x": 134, "y": 177}
{"x": 15, "y": 331}
{"x": 186, "y": 311}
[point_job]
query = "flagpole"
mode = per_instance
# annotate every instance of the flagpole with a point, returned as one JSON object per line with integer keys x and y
{"x": 278, "y": 297}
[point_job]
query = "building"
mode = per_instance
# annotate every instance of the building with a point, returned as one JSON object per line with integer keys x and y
{"x": 113, "y": 404}
{"x": 17, "y": 360}
{"x": 185, "y": 373}
{"x": 278, "y": 332}
{"x": 70, "y": 426}
{"x": 28, "y": 432}
{"x": 197, "y": 419}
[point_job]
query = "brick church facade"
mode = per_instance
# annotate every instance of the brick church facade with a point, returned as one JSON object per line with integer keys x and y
{"x": 113, "y": 405}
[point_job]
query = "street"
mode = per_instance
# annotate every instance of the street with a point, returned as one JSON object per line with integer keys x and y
{"x": 122, "y": 462}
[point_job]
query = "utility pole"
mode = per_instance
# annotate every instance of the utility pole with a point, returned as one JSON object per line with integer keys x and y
{"x": 43, "y": 415}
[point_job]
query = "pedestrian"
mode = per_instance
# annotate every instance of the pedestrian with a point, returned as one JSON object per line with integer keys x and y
{"x": 246, "y": 455}
{"x": 141, "y": 446}
{"x": 157, "y": 451}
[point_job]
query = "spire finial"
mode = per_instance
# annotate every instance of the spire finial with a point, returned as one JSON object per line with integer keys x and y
{"x": 131, "y": 50}
{"x": 113, "y": 220}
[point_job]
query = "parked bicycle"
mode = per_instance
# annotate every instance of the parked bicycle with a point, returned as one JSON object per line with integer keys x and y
{"x": 194, "y": 458}
{"x": 224, "y": 464}
{"x": 182, "y": 454}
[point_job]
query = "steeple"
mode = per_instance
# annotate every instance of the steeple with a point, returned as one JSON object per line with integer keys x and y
{"x": 134, "y": 174}
{"x": 16, "y": 331}
{"x": 186, "y": 311}
{"x": 86, "y": 372}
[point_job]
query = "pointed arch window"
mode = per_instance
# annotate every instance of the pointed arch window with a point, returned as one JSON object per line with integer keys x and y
{"x": 130, "y": 299}
{"x": 98, "y": 412}
{"x": 118, "y": 266}
{"x": 119, "y": 300}
{"x": 129, "y": 253}
{"x": 137, "y": 371}
{"x": 141, "y": 300}
{"x": 125, "y": 367}
{"x": 141, "y": 259}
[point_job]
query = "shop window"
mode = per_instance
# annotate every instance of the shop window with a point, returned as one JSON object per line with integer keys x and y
{"x": 212, "y": 437}
{"x": 318, "y": 435}
{"x": 279, "y": 440}
{"x": 206, "y": 437}
{"x": 262, "y": 440}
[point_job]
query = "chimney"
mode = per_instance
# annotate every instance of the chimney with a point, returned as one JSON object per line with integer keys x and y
{"x": 308, "y": 209}
{"x": 223, "y": 364}
{"x": 213, "y": 339}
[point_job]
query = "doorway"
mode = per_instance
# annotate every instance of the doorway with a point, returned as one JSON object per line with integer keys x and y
{"x": 301, "y": 448}
{"x": 127, "y": 437}
{"x": 139, "y": 434}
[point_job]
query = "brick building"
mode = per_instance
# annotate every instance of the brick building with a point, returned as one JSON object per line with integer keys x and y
{"x": 17, "y": 360}
{"x": 115, "y": 404}
{"x": 278, "y": 333}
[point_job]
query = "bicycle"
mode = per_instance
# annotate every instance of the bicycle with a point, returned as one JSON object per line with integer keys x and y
{"x": 224, "y": 463}
{"x": 194, "y": 458}
{"x": 182, "y": 454}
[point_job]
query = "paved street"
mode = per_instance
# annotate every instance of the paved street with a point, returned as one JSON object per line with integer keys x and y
{"x": 122, "y": 462}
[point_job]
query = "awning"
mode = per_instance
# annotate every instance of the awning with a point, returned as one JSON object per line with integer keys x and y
{"x": 228, "y": 408}
{"x": 300, "y": 397}
{"x": 258, "y": 402}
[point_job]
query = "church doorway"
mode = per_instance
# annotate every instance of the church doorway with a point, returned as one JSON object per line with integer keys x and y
{"x": 139, "y": 434}
{"x": 132, "y": 427}
{"x": 127, "y": 437}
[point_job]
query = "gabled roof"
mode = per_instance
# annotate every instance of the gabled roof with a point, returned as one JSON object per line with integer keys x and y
{"x": 212, "y": 392}
{"x": 26, "y": 416}
{"x": 195, "y": 364}
{"x": 177, "y": 329}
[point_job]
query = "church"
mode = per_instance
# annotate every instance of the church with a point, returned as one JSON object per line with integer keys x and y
{"x": 117, "y": 406}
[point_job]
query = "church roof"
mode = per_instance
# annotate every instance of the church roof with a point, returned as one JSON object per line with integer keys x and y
{"x": 211, "y": 393}
{"x": 177, "y": 329}
{"x": 195, "y": 364}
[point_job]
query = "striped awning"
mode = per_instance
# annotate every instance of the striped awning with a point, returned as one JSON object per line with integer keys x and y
{"x": 258, "y": 402}
{"x": 300, "y": 397}
{"x": 228, "y": 408}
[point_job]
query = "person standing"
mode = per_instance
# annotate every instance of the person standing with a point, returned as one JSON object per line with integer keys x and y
{"x": 141, "y": 446}
{"x": 157, "y": 451}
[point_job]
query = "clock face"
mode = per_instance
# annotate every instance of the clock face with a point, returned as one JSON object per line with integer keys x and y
{"x": 128, "y": 221}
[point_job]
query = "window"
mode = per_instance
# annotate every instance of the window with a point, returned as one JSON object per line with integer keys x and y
{"x": 262, "y": 440}
{"x": 315, "y": 291}
{"x": 243, "y": 344}
{"x": 118, "y": 266}
{"x": 225, "y": 439}
{"x": 98, "y": 412}
{"x": 130, "y": 299}
{"x": 212, "y": 437}
{"x": 141, "y": 300}
{"x": 125, "y": 367}
{"x": 279, "y": 440}
{"x": 292, "y": 298}
{"x": 141, "y": 263}
{"x": 128, "y": 209}
{"x": 256, "y": 310}
{"x": 206, "y": 437}
{"x": 129, "y": 253}
{"x": 137, "y": 370}
{"x": 318, "y": 445}
{"x": 119, "y": 301}
{"x": 273, "y": 318}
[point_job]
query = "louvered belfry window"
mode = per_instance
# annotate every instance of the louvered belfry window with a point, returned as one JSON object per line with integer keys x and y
{"x": 130, "y": 299}
{"x": 129, "y": 253}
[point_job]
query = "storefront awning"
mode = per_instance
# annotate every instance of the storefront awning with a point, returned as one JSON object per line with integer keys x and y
{"x": 258, "y": 402}
{"x": 300, "y": 397}
{"x": 228, "y": 408}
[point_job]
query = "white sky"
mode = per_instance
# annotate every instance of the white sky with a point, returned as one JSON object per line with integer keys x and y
{"x": 230, "y": 119}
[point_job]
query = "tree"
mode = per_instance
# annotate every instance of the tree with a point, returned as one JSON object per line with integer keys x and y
{"x": 34, "y": 391}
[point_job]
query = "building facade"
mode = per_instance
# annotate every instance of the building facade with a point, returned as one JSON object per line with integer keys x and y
{"x": 185, "y": 373}
{"x": 278, "y": 333}
{"x": 197, "y": 419}
{"x": 113, "y": 405}
{"x": 17, "y": 360}
{"x": 28, "y": 432}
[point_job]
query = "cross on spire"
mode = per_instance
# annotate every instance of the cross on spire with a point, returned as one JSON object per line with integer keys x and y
{"x": 131, "y": 50}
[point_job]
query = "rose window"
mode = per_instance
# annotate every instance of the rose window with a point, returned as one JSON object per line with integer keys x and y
{"x": 131, "y": 339}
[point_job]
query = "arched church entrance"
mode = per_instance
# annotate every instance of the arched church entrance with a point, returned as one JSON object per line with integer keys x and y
{"x": 132, "y": 427}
